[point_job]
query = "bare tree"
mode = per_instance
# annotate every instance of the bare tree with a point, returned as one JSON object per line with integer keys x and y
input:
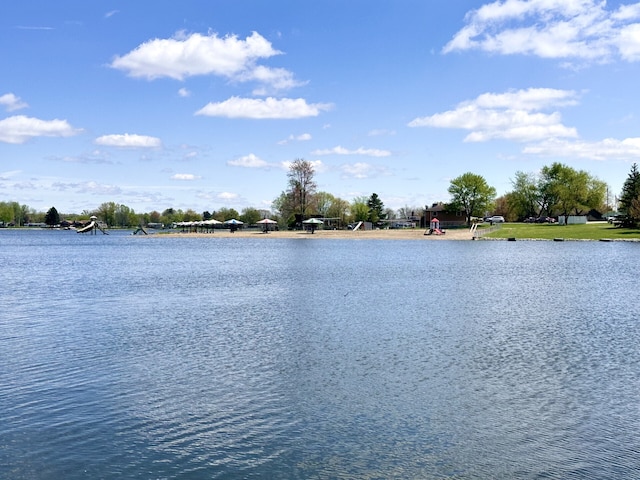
{"x": 302, "y": 187}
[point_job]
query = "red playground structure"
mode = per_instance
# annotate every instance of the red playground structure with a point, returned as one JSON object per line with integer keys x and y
{"x": 434, "y": 228}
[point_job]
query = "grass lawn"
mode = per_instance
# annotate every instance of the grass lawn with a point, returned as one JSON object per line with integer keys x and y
{"x": 545, "y": 231}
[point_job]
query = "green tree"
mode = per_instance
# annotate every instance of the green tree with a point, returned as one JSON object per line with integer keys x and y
{"x": 225, "y": 214}
{"x": 170, "y": 215}
{"x": 250, "y": 215}
{"x": 376, "y": 209}
{"x": 471, "y": 194}
{"x": 124, "y": 216}
{"x": 630, "y": 197}
{"x": 107, "y": 212}
{"x": 322, "y": 203}
{"x": 524, "y": 200}
{"x": 302, "y": 186}
{"x": 52, "y": 217}
{"x": 360, "y": 209}
{"x": 191, "y": 215}
{"x": 340, "y": 209}
{"x": 6, "y": 213}
{"x": 570, "y": 191}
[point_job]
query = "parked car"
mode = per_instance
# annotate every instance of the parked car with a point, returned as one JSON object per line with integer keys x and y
{"x": 495, "y": 219}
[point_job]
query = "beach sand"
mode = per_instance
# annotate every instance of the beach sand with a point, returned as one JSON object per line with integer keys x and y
{"x": 399, "y": 234}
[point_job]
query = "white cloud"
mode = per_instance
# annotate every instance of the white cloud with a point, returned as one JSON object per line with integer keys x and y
{"x": 362, "y": 170}
{"x": 227, "y": 196}
{"x": 185, "y": 176}
{"x": 272, "y": 108}
{"x": 9, "y": 174}
{"x": 129, "y": 141}
{"x": 188, "y": 55}
{"x": 568, "y": 29}
{"x": 95, "y": 188}
{"x": 183, "y": 92}
{"x": 512, "y": 116}
{"x": 295, "y": 138}
{"x": 19, "y": 129}
{"x": 275, "y": 78}
{"x": 369, "y": 152}
{"x": 12, "y": 102}
{"x": 609, "y": 148}
{"x": 248, "y": 161}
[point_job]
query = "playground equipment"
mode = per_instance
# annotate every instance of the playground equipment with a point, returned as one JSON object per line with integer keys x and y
{"x": 92, "y": 227}
{"x": 434, "y": 228}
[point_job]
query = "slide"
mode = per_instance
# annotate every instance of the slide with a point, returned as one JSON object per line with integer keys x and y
{"x": 89, "y": 228}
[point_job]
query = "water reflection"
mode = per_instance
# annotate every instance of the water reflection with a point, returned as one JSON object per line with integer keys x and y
{"x": 220, "y": 358}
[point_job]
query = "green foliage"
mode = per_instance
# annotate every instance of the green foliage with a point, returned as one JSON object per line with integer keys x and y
{"x": 376, "y": 209}
{"x": 225, "y": 214}
{"x": 250, "y": 216}
{"x": 360, "y": 209}
{"x": 52, "y": 217}
{"x": 471, "y": 194}
{"x": 524, "y": 200}
{"x": 569, "y": 191}
{"x": 557, "y": 190}
{"x": 630, "y": 197}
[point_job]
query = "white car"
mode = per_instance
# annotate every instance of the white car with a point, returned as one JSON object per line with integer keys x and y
{"x": 495, "y": 219}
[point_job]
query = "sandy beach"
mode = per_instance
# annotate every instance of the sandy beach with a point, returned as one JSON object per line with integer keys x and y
{"x": 400, "y": 234}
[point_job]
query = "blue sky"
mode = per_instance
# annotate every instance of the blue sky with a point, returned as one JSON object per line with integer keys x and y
{"x": 202, "y": 104}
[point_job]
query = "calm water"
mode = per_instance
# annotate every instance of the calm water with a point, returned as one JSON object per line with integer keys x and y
{"x": 138, "y": 357}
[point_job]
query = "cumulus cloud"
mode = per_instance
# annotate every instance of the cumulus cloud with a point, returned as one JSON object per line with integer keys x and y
{"x": 185, "y": 176}
{"x": 268, "y": 108}
{"x": 189, "y": 55}
{"x": 19, "y": 129}
{"x": 561, "y": 29}
{"x": 128, "y": 141}
{"x": 11, "y": 102}
{"x": 249, "y": 161}
{"x": 369, "y": 152}
{"x": 226, "y": 196}
{"x": 184, "y": 93}
{"x": 607, "y": 149}
{"x": 513, "y": 115}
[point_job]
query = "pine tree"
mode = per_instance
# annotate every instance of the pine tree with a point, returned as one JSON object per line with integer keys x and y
{"x": 376, "y": 208}
{"x": 630, "y": 197}
{"x": 52, "y": 217}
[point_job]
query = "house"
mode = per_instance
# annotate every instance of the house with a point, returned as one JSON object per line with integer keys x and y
{"x": 447, "y": 219}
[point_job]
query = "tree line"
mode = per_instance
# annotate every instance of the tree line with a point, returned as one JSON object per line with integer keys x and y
{"x": 557, "y": 190}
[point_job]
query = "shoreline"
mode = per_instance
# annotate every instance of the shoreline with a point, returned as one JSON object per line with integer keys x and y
{"x": 460, "y": 234}
{"x": 400, "y": 234}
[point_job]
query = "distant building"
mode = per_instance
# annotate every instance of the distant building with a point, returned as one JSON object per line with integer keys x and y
{"x": 447, "y": 219}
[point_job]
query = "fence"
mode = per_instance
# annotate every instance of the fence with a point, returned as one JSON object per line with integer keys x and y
{"x": 484, "y": 231}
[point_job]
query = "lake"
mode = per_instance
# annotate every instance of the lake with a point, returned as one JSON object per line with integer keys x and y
{"x": 152, "y": 357}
